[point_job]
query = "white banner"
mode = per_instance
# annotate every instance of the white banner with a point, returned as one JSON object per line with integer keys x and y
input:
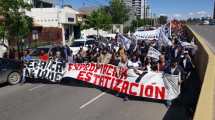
{"x": 164, "y": 37}
{"x": 51, "y": 70}
{"x": 124, "y": 41}
{"x": 171, "y": 83}
{"x": 147, "y": 35}
{"x": 151, "y": 85}
{"x": 153, "y": 53}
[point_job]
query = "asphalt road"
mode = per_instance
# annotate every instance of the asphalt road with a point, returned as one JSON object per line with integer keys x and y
{"x": 72, "y": 101}
{"x": 207, "y": 32}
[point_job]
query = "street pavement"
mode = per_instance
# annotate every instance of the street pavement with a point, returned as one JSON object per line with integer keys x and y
{"x": 72, "y": 101}
{"x": 207, "y": 32}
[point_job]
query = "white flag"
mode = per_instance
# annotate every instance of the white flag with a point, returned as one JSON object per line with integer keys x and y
{"x": 153, "y": 53}
{"x": 171, "y": 83}
{"x": 124, "y": 41}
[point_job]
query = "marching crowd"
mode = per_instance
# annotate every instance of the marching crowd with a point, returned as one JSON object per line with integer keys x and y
{"x": 175, "y": 59}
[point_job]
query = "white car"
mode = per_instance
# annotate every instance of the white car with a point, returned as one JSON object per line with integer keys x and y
{"x": 77, "y": 44}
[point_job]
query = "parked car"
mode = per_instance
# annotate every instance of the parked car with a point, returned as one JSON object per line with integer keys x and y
{"x": 10, "y": 71}
{"x": 77, "y": 44}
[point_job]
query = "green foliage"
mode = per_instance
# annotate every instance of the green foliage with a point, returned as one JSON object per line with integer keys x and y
{"x": 104, "y": 17}
{"x": 99, "y": 19}
{"x": 16, "y": 24}
{"x": 118, "y": 11}
{"x": 141, "y": 23}
{"x": 2, "y": 31}
{"x": 163, "y": 20}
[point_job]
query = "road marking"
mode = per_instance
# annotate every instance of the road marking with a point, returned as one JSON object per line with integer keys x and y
{"x": 34, "y": 88}
{"x": 92, "y": 100}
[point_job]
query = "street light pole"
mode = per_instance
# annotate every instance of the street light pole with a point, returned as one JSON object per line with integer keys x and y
{"x": 170, "y": 27}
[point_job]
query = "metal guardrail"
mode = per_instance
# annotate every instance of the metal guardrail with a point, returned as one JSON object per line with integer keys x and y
{"x": 205, "y": 60}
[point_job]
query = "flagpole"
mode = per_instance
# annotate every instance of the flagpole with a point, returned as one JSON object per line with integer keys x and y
{"x": 170, "y": 28}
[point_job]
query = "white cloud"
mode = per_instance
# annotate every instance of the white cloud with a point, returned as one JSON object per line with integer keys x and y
{"x": 191, "y": 13}
{"x": 177, "y": 16}
{"x": 163, "y": 14}
{"x": 198, "y": 14}
{"x": 201, "y": 12}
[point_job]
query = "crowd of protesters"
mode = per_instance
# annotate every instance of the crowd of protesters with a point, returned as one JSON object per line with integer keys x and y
{"x": 174, "y": 59}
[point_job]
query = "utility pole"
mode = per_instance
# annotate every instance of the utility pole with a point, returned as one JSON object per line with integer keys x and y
{"x": 214, "y": 11}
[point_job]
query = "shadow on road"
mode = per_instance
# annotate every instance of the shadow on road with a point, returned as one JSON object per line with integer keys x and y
{"x": 3, "y": 85}
{"x": 184, "y": 106}
{"x": 76, "y": 83}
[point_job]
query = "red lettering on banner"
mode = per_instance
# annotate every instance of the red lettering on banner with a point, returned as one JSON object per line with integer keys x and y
{"x": 123, "y": 73}
{"x": 101, "y": 81}
{"x": 70, "y": 67}
{"x": 88, "y": 77}
{"x": 149, "y": 91}
{"x": 109, "y": 71}
{"x": 105, "y": 68}
{"x": 92, "y": 67}
{"x": 116, "y": 87}
{"x": 112, "y": 83}
{"x": 82, "y": 66}
{"x": 97, "y": 77}
{"x": 107, "y": 81}
{"x": 132, "y": 85}
{"x": 160, "y": 93}
{"x": 86, "y": 67}
{"x": 125, "y": 87}
{"x": 114, "y": 74}
{"x": 77, "y": 66}
{"x": 142, "y": 90}
{"x": 80, "y": 75}
{"x": 98, "y": 66}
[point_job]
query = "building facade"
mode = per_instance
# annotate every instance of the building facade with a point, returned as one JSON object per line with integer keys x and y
{"x": 65, "y": 19}
{"x": 140, "y": 7}
{"x": 41, "y": 3}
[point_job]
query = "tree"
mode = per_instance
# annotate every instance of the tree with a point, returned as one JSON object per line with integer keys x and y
{"x": 141, "y": 23}
{"x": 119, "y": 12}
{"x": 163, "y": 20}
{"x": 99, "y": 19}
{"x": 16, "y": 25}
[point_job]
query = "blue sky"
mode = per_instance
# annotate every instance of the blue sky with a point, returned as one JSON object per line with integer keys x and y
{"x": 175, "y": 8}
